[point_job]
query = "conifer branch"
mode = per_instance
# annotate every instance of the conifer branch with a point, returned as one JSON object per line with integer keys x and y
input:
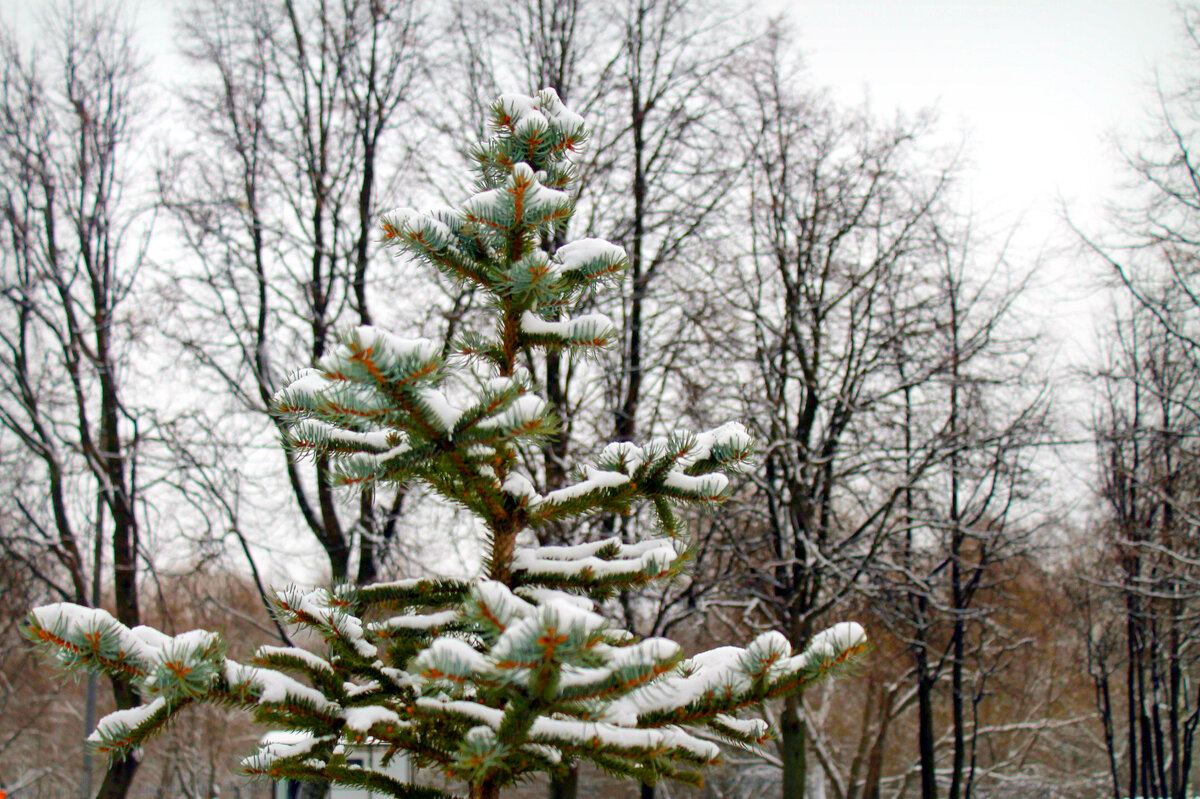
{"x": 490, "y": 679}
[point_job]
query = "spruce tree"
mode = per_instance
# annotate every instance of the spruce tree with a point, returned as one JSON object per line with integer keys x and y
{"x": 491, "y": 679}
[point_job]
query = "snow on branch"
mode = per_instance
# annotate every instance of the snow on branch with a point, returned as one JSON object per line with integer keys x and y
{"x": 514, "y": 671}
{"x": 597, "y": 564}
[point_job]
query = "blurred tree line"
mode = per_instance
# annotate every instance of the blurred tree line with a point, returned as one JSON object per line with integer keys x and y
{"x": 169, "y": 244}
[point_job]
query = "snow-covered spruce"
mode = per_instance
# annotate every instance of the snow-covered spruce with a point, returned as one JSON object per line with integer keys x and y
{"x": 514, "y": 671}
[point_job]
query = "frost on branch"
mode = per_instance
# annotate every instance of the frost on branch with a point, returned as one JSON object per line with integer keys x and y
{"x": 515, "y": 671}
{"x": 543, "y": 670}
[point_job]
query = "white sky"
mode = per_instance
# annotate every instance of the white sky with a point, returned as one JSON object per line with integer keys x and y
{"x": 1035, "y": 89}
{"x": 1036, "y": 85}
{"x": 1033, "y": 86}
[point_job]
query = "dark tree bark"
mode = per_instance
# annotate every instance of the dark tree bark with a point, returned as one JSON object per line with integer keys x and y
{"x": 68, "y": 121}
{"x": 839, "y": 219}
{"x": 303, "y": 101}
{"x": 1144, "y": 431}
{"x": 1146, "y": 462}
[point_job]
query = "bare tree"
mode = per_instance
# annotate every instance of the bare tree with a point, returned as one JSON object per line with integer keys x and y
{"x": 841, "y": 217}
{"x": 1147, "y": 432}
{"x": 1153, "y": 234}
{"x": 25, "y": 696}
{"x": 301, "y": 108}
{"x": 72, "y": 247}
{"x": 966, "y": 510}
{"x": 1146, "y": 427}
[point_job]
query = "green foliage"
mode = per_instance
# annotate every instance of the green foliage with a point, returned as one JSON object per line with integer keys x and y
{"x": 490, "y": 679}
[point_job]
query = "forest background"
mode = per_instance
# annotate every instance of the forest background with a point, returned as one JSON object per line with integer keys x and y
{"x": 189, "y": 214}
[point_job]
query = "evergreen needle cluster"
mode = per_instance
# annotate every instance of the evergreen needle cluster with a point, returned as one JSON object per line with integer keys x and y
{"x": 491, "y": 679}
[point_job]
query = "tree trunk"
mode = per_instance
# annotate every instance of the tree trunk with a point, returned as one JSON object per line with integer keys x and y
{"x": 483, "y": 790}
{"x": 957, "y": 536}
{"x": 313, "y": 790}
{"x": 118, "y": 491}
{"x": 565, "y": 787}
{"x": 959, "y": 720}
{"x": 874, "y": 773}
{"x": 118, "y": 779}
{"x": 793, "y": 741}
{"x": 925, "y": 732}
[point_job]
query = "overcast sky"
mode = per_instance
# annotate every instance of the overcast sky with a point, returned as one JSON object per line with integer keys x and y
{"x": 1037, "y": 89}
{"x": 1035, "y": 84}
{"x": 1034, "y": 89}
